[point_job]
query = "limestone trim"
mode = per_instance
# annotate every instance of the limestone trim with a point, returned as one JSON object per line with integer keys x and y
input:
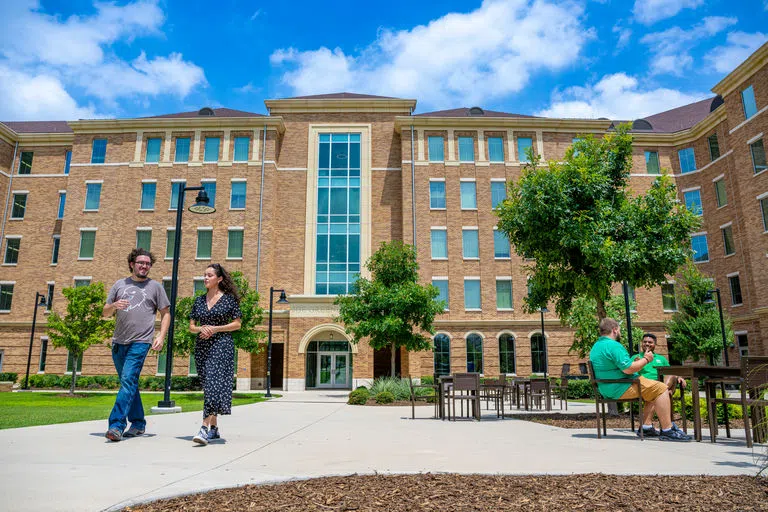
{"x": 739, "y": 75}
{"x": 163, "y": 124}
{"x": 320, "y": 105}
{"x": 503, "y": 123}
{"x": 321, "y": 329}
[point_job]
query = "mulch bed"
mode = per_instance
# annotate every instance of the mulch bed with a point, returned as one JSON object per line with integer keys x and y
{"x": 401, "y": 493}
{"x": 585, "y": 420}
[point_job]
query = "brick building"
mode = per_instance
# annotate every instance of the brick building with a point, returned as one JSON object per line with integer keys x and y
{"x": 305, "y": 194}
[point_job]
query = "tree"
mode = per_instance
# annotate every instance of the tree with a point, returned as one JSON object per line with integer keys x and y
{"x": 390, "y": 306}
{"x": 695, "y": 331}
{"x": 576, "y": 219}
{"x": 581, "y": 318}
{"x": 83, "y": 325}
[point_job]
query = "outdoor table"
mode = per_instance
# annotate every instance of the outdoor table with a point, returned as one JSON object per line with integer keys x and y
{"x": 442, "y": 383}
{"x": 498, "y": 390}
{"x": 696, "y": 372}
{"x": 517, "y": 383}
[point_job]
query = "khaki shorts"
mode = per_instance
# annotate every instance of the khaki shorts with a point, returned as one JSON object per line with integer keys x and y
{"x": 650, "y": 390}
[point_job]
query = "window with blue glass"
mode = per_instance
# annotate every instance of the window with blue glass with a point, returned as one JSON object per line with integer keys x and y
{"x": 693, "y": 201}
{"x": 67, "y": 162}
{"x": 442, "y": 350}
{"x": 748, "y": 102}
{"x": 337, "y": 263}
{"x": 210, "y": 189}
{"x": 439, "y": 239}
{"x": 700, "y": 248}
{"x": 687, "y": 160}
{"x": 652, "y": 162}
{"x": 242, "y": 145}
{"x": 501, "y": 247}
{"x": 468, "y": 195}
{"x": 148, "y": 192}
{"x": 470, "y": 243}
{"x": 437, "y": 195}
{"x": 153, "y": 150}
{"x": 472, "y": 294}
{"x": 495, "y": 149}
{"x": 442, "y": 286}
{"x": 211, "y": 149}
{"x": 498, "y": 193}
{"x": 237, "y": 199}
{"x": 466, "y": 149}
{"x": 436, "y": 148}
{"x": 62, "y": 203}
{"x": 182, "y": 150}
{"x": 524, "y": 146}
{"x": 99, "y": 151}
{"x": 176, "y": 187}
{"x": 92, "y": 196}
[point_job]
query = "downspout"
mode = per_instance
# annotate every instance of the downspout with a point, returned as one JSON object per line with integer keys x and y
{"x": 413, "y": 187}
{"x": 261, "y": 208}
{"x": 8, "y": 193}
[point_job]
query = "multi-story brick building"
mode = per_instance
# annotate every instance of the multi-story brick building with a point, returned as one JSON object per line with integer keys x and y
{"x": 305, "y": 194}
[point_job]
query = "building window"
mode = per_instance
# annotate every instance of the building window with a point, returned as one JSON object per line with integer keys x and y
{"x": 506, "y": 354}
{"x": 538, "y": 354}
{"x": 6, "y": 296}
{"x": 19, "y": 205}
{"x": 758, "y": 156}
{"x": 153, "y": 150}
{"x": 67, "y": 162}
{"x": 176, "y": 188}
{"x": 468, "y": 195}
{"x": 161, "y": 360}
{"x": 204, "y": 243}
{"x": 693, "y": 201}
{"x": 524, "y": 148}
{"x": 12, "y": 246}
{"x": 437, "y": 195}
{"x": 170, "y": 241}
{"x": 442, "y": 354}
{"x": 764, "y": 212}
{"x": 210, "y": 189}
{"x": 144, "y": 239}
{"x": 743, "y": 344}
{"x": 43, "y": 355}
{"x": 25, "y": 163}
{"x": 439, "y": 238}
{"x": 242, "y": 148}
{"x": 504, "y": 294}
{"x": 83, "y": 281}
{"x": 99, "y": 151}
{"x": 700, "y": 248}
{"x": 338, "y": 213}
{"x": 495, "y": 149}
{"x": 470, "y": 244}
{"x": 472, "y": 294}
{"x": 687, "y": 160}
{"x": 49, "y": 297}
{"x": 733, "y": 281}
{"x": 71, "y": 362}
{"x": 728, "y": 245}
{"x": 720, "y": 195}
{"x": 87, "y": 244}
{"x": 466, "y": 149}
{"x": 442, "y": 287}
{"x": 235, "y": 244}
{"x": 92, "y": 196}
{"x": 668, "y": 299}
{"x": 55, "y": 251}
{"x": 148, "y": 193}
{"x": 714, "y": 147}
{"x": 501, "y": 248}
{"x": 211, "y": 149}
{"x": 436, "y": 149}
{"x": 652, "y": 162}
{"x": 475, "y": 353}
{"x": 498, "y": 193}
{"x": 237, "y": 196}
{"x": 182, "y": 150}
{"x": 198, "y": 286}
{"x": 748, "y": 102}
{"x": 62, "y": 204}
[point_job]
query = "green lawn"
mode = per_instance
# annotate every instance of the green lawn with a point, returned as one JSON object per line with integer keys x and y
{"x": 28, "y": 409}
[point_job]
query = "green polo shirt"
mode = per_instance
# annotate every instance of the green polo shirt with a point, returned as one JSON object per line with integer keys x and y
{"x": 609, "y": 358}
{"x": 649, "y": 371}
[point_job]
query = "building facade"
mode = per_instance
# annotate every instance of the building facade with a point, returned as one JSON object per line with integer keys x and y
{"x": 305, "y": 194}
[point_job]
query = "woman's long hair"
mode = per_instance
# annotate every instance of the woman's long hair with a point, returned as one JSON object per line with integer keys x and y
{"x": 226, "y": 285}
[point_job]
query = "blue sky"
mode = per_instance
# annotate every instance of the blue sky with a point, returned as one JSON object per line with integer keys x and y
{"x": 576, "y": 58}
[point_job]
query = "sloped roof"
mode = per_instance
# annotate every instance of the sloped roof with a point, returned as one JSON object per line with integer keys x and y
{"x": 680, "y": 118}
{"x": 217, "y": 112}
{"x": 465, "y": 112}
{"x": 38, "y": 126}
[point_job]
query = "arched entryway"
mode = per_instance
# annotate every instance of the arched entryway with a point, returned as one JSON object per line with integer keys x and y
{"x": 328, "y": 359}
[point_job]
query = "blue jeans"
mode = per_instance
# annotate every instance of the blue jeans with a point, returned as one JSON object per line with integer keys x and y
{"x": 129, "y": 360}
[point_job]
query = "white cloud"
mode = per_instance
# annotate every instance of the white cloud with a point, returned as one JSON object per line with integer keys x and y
{"x": 671, "y": 47}
{"x": 740, "y": 45}
{"x": 624, "y": 35}
{"x": 651, "y": 11}
{"x": 255, "y": 14}
{"x": 469, "y": 58}
{"x": 41, "y": 97}
{"x": 616, "y": 96}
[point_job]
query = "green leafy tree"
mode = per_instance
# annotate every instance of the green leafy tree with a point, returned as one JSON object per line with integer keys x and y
{"x": 695, "y": 331}
{"x": 584, "y": 230}
{"x": 392, "y": 309}
{"x": 582, "y": 319}
{"x": 83, "y": 324}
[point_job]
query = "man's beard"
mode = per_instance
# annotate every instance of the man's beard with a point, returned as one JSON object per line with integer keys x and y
{"x": 618, "y": 337}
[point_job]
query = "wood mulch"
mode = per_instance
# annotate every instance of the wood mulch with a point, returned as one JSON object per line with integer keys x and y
{"x": 428, "y": 492}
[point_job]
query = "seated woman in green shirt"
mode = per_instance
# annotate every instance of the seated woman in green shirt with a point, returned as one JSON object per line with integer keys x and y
{"x": 649, "y": 371}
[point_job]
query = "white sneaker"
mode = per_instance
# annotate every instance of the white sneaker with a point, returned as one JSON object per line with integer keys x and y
{"x": 202, "y": 436}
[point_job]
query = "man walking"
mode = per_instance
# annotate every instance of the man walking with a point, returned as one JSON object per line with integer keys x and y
{"x": 135, "y": 300}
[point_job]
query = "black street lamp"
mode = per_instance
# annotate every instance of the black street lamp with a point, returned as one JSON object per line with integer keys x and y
{"x": 39, "y": 301}
{"x": 709, "y": 300}
{"x": 201, "y": 206}
{"x": 628, "y": 313}
{"x": 281, "y": 300}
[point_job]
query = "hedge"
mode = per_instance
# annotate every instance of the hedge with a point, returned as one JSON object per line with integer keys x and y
{"x": 146, "y": 383}
{"x": 8, "y": 376}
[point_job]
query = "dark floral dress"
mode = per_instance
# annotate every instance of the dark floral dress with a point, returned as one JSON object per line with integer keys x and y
{"x": 215, "y": 357}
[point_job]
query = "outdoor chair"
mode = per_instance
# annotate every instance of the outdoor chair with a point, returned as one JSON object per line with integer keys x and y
{"x": 538, "y": 391}
{"x": 493, "y": 390}
{"x": 424, "y": 398}
{"x": 600, "y": 400}
{"x": 466, "y": 388}
{"x": 753, "y": 383}
{"x": 561, "y": 390}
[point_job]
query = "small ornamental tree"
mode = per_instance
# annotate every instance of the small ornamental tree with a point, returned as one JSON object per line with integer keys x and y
{"x": 391, "y": 309}
{"x": 83, "y": 324}
{"x": 582, "y": 319}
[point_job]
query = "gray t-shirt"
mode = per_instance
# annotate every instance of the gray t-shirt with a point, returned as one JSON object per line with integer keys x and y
{"x": 137, "y": 322}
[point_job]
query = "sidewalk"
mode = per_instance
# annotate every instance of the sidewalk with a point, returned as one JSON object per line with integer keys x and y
{"x": 311, "y": 434}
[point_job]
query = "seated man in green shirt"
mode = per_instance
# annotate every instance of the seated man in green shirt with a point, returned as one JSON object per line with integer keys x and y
{"x": 649, "y": 371}
{"x": 611, "y": 360}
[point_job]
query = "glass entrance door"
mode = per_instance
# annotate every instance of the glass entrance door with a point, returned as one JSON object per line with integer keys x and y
{"x": 332, "y": 370}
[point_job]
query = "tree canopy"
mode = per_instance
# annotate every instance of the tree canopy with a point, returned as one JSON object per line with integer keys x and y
{"x": 581, "y": 318}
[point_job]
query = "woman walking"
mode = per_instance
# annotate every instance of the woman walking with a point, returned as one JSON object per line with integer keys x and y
{"x": 213, "y": 318}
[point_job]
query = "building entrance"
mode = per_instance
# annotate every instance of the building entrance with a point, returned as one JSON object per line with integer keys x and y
{"x": 329, "y": 365}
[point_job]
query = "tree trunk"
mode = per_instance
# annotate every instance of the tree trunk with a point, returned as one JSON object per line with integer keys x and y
{"x": 392, "y": 350}
{"x": 601, "y": 313}
{"x": 74, "y": 376}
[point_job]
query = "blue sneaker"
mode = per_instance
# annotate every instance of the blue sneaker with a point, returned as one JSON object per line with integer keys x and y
{"x": 674, "y": 435}
{"x": 213, "y": 433}
{"x": 202, "y": 436}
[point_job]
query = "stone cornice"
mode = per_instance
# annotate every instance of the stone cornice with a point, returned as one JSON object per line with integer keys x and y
{"x": 496, "y": 123}
{"x": 295, "y": 106}
{"x": 178, "y": 124}
{"x": 8, "y": 135}
{"x": 744, "y": 70}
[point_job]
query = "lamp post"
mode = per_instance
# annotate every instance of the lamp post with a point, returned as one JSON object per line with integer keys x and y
{"x": 39, "y": 301}
{"x": 201, "y": 206}
{"x": 722, "y": 322}
{"x": 628, "y": 313}
{"x": 281, "y": 300}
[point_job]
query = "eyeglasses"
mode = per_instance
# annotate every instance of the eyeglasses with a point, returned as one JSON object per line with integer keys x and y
{"x": 144, "y": 263}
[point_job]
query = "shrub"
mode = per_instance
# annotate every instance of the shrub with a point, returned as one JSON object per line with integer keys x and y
{"x": 8, "y": 376}
{"x": 734, "y": 411}
{"x": 428, "y": 380}
{"x": 359, "y": 396}
{"x": 578, "y": 389}
{"x": 384, "y": 397}
{"x": 398, "y": 387}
